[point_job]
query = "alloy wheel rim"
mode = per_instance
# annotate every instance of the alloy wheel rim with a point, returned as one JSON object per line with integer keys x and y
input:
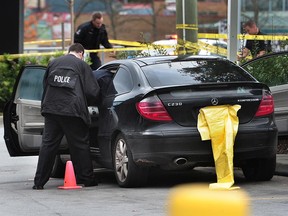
{"x": 121, "y": 160}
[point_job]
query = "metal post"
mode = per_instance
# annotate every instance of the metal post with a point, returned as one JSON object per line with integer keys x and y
{"x": 183, "y": 19}
{"x": 21, "y": 27}
{"x": 191, "y": 20}
{"x": 63, "y": 36}
{"x": 233, "y": 29}
{"x": 186, "y": 23}
{"x": 72, "y": 20}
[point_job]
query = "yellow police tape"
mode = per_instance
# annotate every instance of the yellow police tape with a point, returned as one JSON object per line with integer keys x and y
{"x": 187, "y": 26}
{"x": 200, "y": 35}
{"x": 119, "y": 42}
{"x": 13, "y": 56}
{"x": 138, "y": 46}
{"x": 244, "y": 36}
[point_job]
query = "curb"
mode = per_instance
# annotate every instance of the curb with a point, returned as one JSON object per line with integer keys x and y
{"x": 281, "y": 170}
{"x": 282, "y": 165}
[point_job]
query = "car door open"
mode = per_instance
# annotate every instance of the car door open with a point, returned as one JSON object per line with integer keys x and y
{"x": 23, "y": 121}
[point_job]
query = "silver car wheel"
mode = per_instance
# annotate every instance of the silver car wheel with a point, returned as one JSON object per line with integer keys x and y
{"x": 121, "y": 160}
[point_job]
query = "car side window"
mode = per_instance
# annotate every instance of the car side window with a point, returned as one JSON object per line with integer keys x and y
{"x": 122, "y": 82}
{"x": 269, "y": 69}
{"x": 30, "y": 85}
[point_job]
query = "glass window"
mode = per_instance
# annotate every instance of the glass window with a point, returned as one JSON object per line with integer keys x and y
{"x": 209, "y": 0}
{"x": 248, "y": 5}
{"x": 264, "y": 5}
{"x": 122, "y": 82}
{"x": 194, "y": 72}
{"x": 277, "y": 5}
{"x": 30, "y": 85}
{"x": 271, "y": 70}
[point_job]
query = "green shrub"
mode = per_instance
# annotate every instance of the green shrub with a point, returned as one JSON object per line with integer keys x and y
{"x": 9, "y": 69}
{"x": 271, "y": 71}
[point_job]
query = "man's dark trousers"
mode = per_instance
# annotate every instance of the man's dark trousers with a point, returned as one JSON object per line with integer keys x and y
{"x": 96, "y": 62}
{"x": 77, "y": 135}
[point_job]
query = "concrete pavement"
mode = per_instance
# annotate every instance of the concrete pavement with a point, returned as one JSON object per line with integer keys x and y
{"x": 281, "y": 165}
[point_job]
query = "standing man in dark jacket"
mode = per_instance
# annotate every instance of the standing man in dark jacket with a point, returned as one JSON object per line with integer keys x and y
{"x": 69, "y": 88}
{"x": 91, "y": 35}
{"x": 255, "y": 47}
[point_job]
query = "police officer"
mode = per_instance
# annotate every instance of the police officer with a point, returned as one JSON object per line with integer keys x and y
{"x": 255, "y": 47}
{"x": 69, "y": 88}
{"x": 91, "y": 34}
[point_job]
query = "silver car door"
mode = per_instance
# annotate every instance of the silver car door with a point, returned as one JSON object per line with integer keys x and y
{"x": 28, "y": 102}
{"x": 28, "y": 108}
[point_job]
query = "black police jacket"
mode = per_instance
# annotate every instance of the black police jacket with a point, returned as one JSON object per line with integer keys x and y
{"x": 69, "y": 88}
{"x": 91, "y": 37}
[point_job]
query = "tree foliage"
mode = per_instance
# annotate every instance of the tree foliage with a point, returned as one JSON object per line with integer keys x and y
{"x": 9, "y": 69}
{"x": 271, "y": 70}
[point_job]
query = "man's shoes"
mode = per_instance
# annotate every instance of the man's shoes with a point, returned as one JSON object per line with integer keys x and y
{"x": 37, "y": 187}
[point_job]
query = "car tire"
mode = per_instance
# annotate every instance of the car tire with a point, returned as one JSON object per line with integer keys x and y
{"x": 58, "y": 170}
{"x": 127, "y": 173}
{"x": 261, "y": 169}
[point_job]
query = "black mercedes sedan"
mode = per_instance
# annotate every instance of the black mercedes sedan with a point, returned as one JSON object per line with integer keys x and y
{"x": 148, "y": 115}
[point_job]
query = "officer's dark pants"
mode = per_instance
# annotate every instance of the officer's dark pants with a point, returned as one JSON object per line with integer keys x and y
{"x": 96, "y": 62}
{"x": 77, "y": 135}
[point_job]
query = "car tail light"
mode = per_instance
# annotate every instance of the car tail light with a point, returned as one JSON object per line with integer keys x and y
{"x": 152, "y": 108}
{"x": 266, "y": 106}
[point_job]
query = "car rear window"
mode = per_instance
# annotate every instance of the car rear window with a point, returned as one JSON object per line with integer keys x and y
{"x": 194, "y": 72}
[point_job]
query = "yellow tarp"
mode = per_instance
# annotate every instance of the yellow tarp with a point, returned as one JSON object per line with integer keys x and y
{"x": 220, "y": 125}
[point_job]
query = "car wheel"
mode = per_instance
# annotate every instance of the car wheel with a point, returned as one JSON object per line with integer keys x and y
{"x": 260, "y": 169}
{"x": 58, "y": 170}
{"x": 127, "y": 173}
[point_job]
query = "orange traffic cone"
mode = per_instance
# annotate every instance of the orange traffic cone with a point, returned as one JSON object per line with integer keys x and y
{"x": 70, "y": 180}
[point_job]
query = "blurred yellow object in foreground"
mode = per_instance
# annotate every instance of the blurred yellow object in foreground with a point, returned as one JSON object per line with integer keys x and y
{"x": 199, "y": 200}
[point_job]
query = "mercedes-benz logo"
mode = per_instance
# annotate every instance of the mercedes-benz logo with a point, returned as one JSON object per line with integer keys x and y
{"x": 214, "y": 101}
